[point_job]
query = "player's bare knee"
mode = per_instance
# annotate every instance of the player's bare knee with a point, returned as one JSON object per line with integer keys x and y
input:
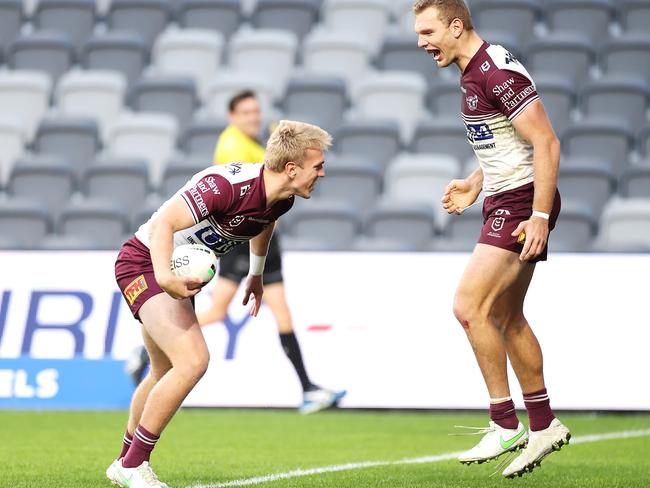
{"x": 466, "y": 311}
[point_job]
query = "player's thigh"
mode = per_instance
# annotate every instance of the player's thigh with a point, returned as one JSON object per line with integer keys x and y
{"x": 508, "y": 308}
{"x": 172, "y": 326}
{"x": 491, "y": 270}
{"x": 159, "y": 363}
{"x": 275, "y": 298}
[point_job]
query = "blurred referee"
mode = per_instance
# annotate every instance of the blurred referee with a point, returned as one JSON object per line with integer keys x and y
{"x": 239, "y": 142}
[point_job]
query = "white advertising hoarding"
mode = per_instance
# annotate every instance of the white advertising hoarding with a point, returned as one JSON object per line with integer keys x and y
{"x": 378, "y": 325}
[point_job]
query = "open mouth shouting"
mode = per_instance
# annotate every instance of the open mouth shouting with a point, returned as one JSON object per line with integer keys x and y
{"x": 436, "y": 53}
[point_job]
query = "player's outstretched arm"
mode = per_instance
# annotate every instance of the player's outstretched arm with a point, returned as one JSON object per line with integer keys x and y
{"x": 534, "y": 126}
{"x": 173, "y": 218}
{"x": 460, "y": 194}
{"x": 259, "y": 246}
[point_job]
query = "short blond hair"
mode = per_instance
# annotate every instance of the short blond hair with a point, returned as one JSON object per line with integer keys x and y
{"x": 290, "y": 141}
{"x": 448, "y": 10}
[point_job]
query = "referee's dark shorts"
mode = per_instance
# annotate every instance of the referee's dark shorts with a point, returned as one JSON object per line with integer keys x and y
{"x": 234, "y": 265}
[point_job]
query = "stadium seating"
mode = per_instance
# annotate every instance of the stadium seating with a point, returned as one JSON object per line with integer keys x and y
{"x": 49, "y": 52}
{"x": 105, "y": 222}
{"x": 297, "y": 16}
{"x": 125, "y": 53}
{"x": 75, "y": 18}
{"x": 316, "y": 99}
{"x": 190, "y": 52}
{"x": 221, "y": 16}
{"x": 11, "y": 19}
{"x": 147, "y": 82}
{"x": 98, "y": 95}
{"x": 168, "y": 95}
{"x": 124, "y": 182}
{"x": 25, "y": 221}
{"x": 49, "y": 181}
{"x": 150, "y": 136}
{"x": 625, "y": 224}
{"x": 75, "y": 140}
{"x": 143, "y": 18}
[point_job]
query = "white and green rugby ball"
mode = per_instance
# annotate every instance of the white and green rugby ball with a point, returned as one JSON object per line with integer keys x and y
{"x": 194, "y": 260}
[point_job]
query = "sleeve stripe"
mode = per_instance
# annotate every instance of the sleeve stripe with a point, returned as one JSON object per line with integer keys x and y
{"x": 189, "y": 204}
{"x": 520, "y": 109}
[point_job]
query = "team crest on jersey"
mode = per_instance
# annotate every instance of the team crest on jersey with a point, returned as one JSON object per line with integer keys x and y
{"x": 135, "y": 288}
{"x": 237, "y": 220}
{"x": 472, "y": 102}
{"x": 498, "y": 222}
{"x": 234, "y": 168}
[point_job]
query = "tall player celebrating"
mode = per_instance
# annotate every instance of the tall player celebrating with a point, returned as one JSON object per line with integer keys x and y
{"x": 220, "y": 207}
{"x": 519, "y": 156}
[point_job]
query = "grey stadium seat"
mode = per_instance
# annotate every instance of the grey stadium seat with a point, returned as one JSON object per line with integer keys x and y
{"x": 351, "y": 180}
{"x": 144, "y": 18}
{"x": 600, "y": 140}
{"x": 375, "y": 141}
{"x": 200, "y": 138}
{"x": 144, "y": 212}
{"x": 635, "y": 182}
{"x": 624, "y": 101}
{"x": 382, "y": 244}
{"x": 559, "y": 98}
{"x": 364, "y": 19}
{"x": 317, "y": 100}
{"x": 626, "y": 223}
{"x": 336, "y": 54}
{"x": 125, "y": 182}
{"x": 644, "y": 140}
{"x": 567, "y": 55}
{"x": 122, "y": 52}
{"x": 104, "y": 221}
{"x": 49, "y": 181}
{"x": 25, "y": 95}
{"x": 627, "y": 56}
{"x": 297, "y": 16}
{"x": 398, "y": 54}
{"x": 12, "y": 142}
{"x": 575, "y": 230}
{"x": 588, "y": 17}
{"x": 70, "y": 243}
{"x": 170, "y": 95}
{"x": 177, "y": 174}
{"x": 443, "y": 136}
{"x": 517, "y": 17}
{"x": 25, "y": 221}
{"x": 444, "y": 98}
{"x": 634, "y": 15}
{"x": 75, "y": 18}
{"x": 221, "y": 15}
{"x": 75, "y": 140}
{"x": 588, "y": 184}
{"x": 464, "y": 230}
{"x": 11, "y": 20}
{"x": 332, "y": 223}
{"x": 50, "y": 52}
{"x": 404, "y": 222}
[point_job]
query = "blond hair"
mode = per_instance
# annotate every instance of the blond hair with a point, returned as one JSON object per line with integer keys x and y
{"x": 448, "y": 10}
{"x": 290, "y": 141}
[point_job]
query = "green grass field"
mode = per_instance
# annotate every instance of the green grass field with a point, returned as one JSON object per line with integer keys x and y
{"x": 208, "y": 447}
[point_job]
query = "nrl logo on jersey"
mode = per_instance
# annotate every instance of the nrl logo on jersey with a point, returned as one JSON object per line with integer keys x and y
{"x": 237, "y": 220}
{"x": 472, "y": 102}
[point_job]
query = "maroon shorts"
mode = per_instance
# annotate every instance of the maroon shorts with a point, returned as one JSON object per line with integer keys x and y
{"x": 503, "y": 212}
{"x": 134, "y": 274}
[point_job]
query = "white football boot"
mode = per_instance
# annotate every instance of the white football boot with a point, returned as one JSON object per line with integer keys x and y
{"x": 540, "y": 444}
{"x": 111, "y": 473}
{"x": 495, "y": 442}
{"x": 139, "y": 477}
{"x": 319, "y": 399}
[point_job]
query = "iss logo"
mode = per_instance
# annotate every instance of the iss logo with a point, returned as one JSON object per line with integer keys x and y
{"x": 472, "y": 102}
{"x": 479, "y": 132}
{"x": 497, "y": 222}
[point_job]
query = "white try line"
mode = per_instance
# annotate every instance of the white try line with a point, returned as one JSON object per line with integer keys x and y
{"x": 298, "y": 473}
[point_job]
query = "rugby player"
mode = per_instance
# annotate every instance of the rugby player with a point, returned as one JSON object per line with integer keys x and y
{"x": 231, "y": 204}
{"x": 519, "y": 155}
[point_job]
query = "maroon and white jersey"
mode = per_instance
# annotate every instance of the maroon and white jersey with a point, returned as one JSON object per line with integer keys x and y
{"x": 228, "y": 205}
{"x": 496, "y": 89}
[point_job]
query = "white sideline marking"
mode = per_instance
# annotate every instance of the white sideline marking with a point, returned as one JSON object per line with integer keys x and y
{"x": 298, "y": 473}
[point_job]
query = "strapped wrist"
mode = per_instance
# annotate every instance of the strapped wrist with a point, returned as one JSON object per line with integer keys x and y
{"x": 256, "y": 266}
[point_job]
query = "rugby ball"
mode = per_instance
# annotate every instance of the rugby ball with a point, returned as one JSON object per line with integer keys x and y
{"x": 194, "y": 260}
